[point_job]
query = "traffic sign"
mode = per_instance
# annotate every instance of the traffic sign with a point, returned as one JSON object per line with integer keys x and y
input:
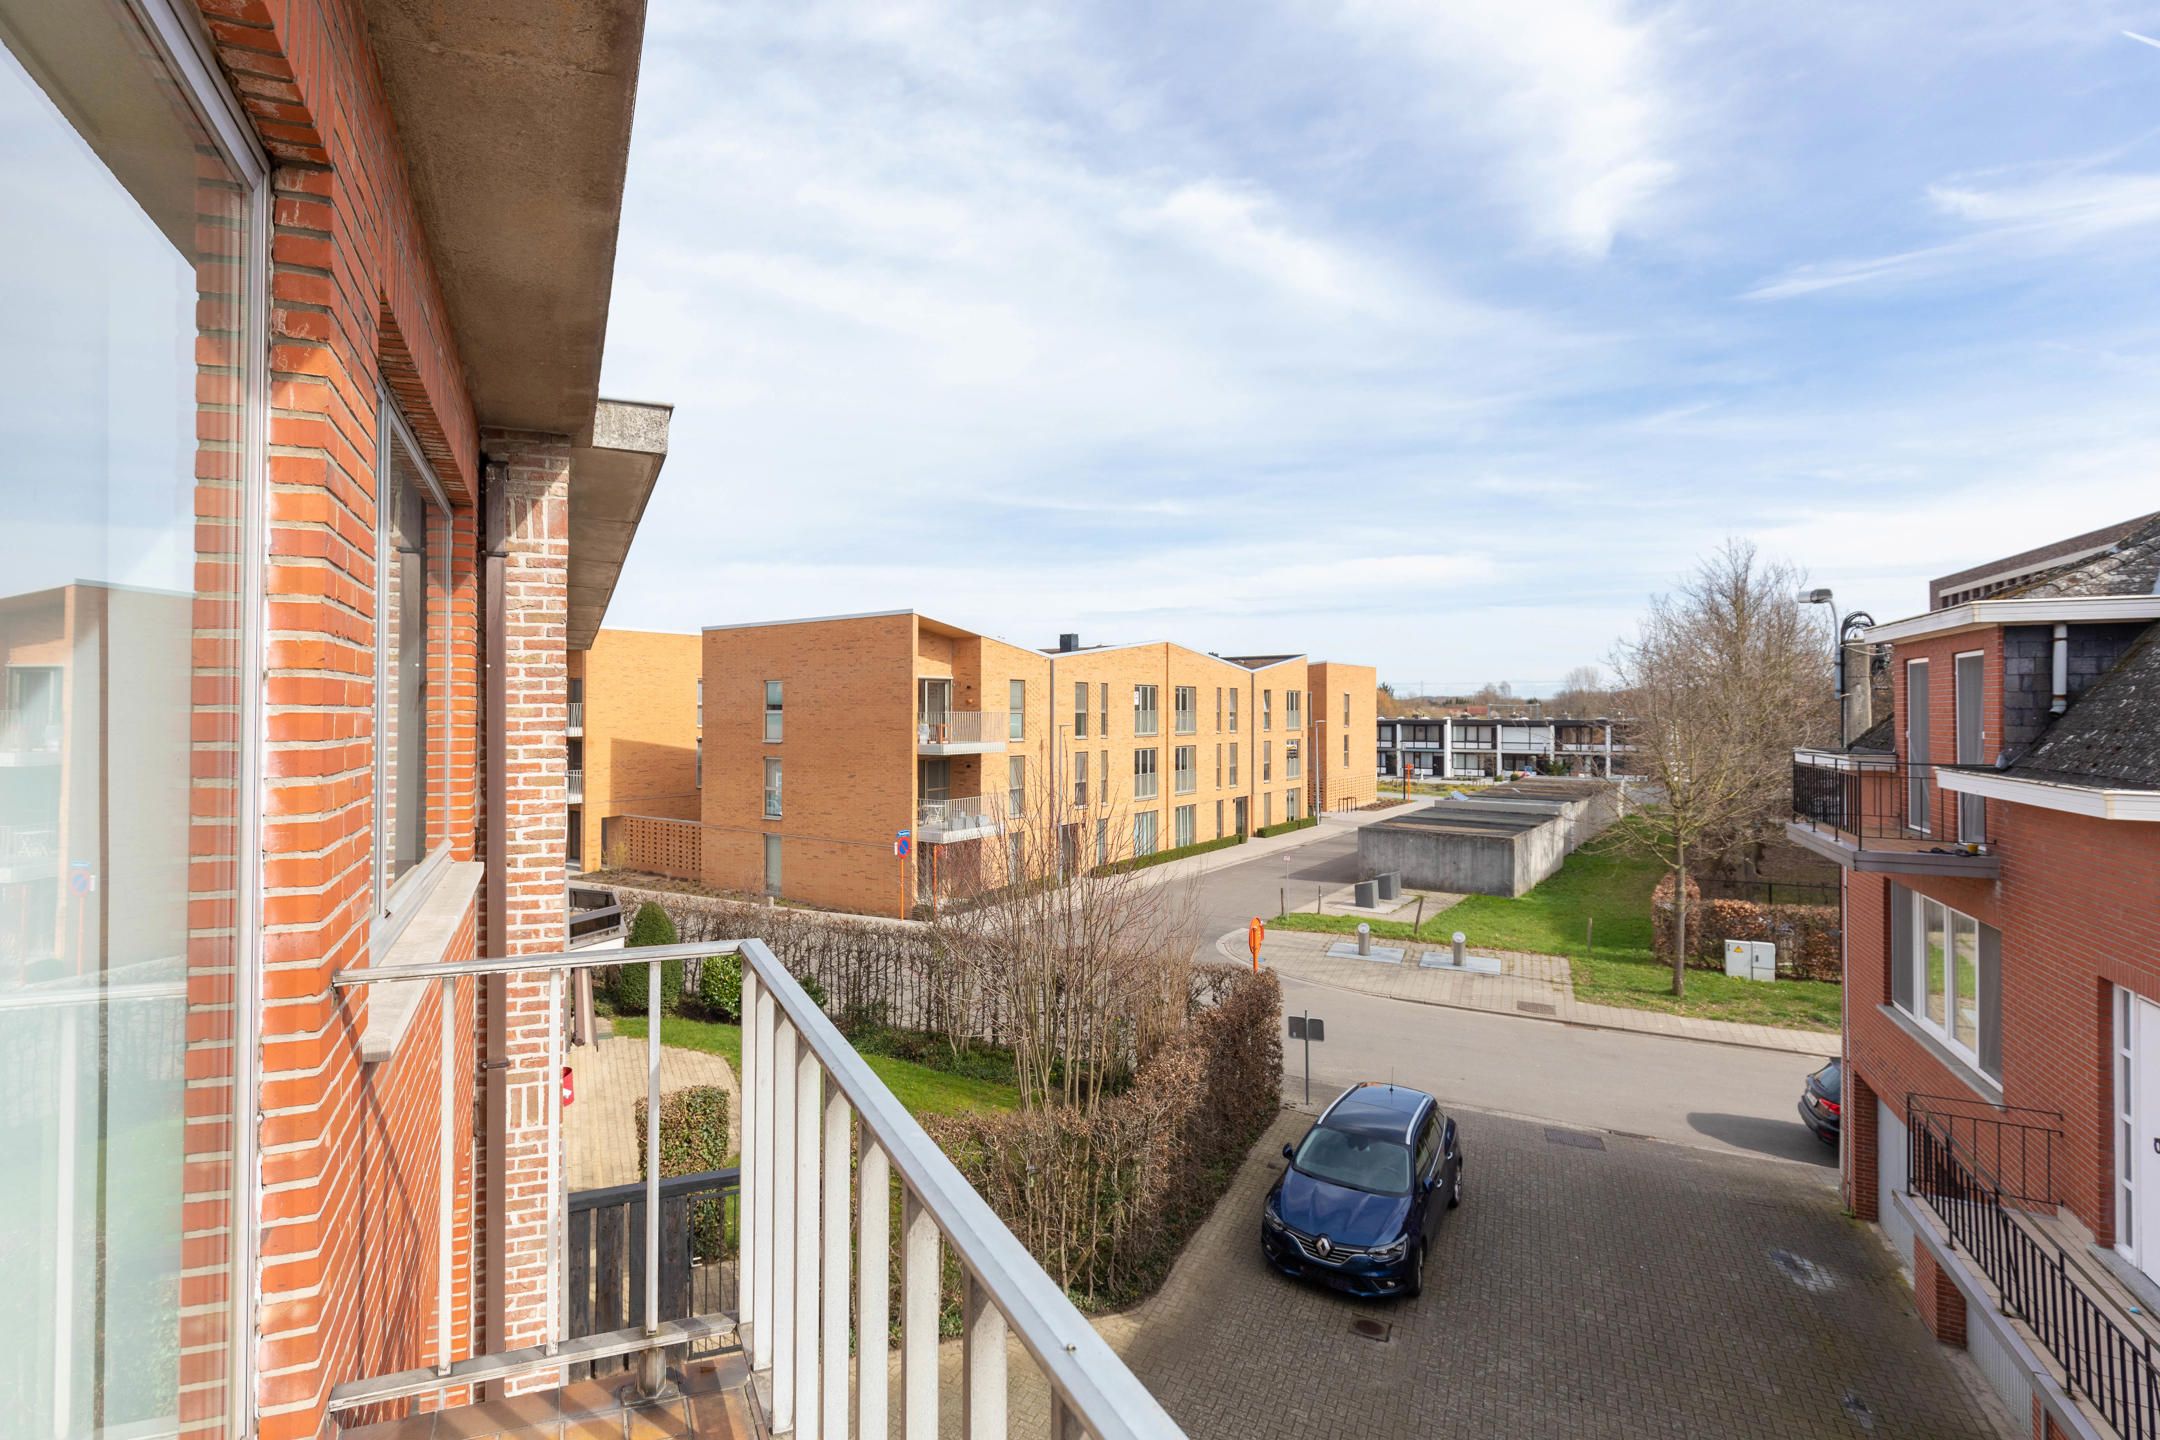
{"x": 900, "y": 843}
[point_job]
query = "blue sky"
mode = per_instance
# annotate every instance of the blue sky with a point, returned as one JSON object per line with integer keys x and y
{"x": 1434, "y": 335}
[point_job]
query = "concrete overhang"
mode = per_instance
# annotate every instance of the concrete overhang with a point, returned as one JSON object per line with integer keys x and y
{"x": 1979, "y": 614}
{"x": 515, "y": 122}
{"x": 612, "y": 473}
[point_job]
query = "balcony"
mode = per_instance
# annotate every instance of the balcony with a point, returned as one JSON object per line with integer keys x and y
{"x": 577, "y": 718}
{"x": 963, "y": 732}
{"x": 1874, "y": 813}
{"x": 1980, "y": 1190}
{"x": 777, "y": 1266}
{"x": 947, "y": 822}
{"x": 28, "y": 854}
{"x": 29, "y": 738}
{"x": 575, "y": 779}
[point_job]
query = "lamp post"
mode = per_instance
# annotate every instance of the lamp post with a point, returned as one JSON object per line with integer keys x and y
{"x": 1821, "y": 596}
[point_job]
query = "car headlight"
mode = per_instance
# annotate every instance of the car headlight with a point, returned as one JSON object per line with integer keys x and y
{"x": 1268, "y": 1216}
{"x": 1392, "y": 1252}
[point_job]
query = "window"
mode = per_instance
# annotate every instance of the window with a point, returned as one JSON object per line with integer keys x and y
{"x": 1946, "y": 974}
{"x": 697, "y": 765}
{"x": 1102, "y": 774}
{"x": 1186, "y": 767}
{"x": 1267, "y": 760}
{"x": 701, "y": 702}
{"x": 1080, "y": 709}
{"x": 1102, "y": 698}
{"x": 412, "y": 660}
{"x": 1186, "y": 700}
{"x": 1015, "y": 856}
{"x": 1267, "y": 710}
{"x": 1080, "y": 778}
{"x": 1143, "y": 774}
{"x": 1102, "y": 842}
{"x": 1146, "y": 719}
{"x": 1267, "y": 809}
{"x": 1346, "y": 751}
{"x": 772, "y": 712}
{"x": 1016, "y": 786}
{"x": 1185, "y": 826}
{"x": 1291, "y": 764}
{"x": 1233, "y": 764}
{"x": 772, "y": 788}
{"x": 1289, "y": 804}
{"x": 772, "y": 864}
{"x": 1233, "y": 712}
{"x": 1144, "y": 833}
{"x": 1218, "y": 709}
{"x": 1292, "y": 704}
{"x": 1218, "y": 765}
{"x": 1917, "y": 754}
{"x": 1346, "y": 707}
{"x": 1015, "y": 709}
{"x": 1218, "y": 819}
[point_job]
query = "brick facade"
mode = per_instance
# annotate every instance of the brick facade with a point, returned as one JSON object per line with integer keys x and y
{"x": 639, "y": 746}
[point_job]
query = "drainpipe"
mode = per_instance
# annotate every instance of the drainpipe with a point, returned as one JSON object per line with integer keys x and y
{"x": 494, "y": 938}
{"x": 2061, "y": 701}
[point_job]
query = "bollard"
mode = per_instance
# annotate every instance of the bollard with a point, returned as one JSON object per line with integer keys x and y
{"x": 1458, "y": 948}
{"x": 1364, "y": 938}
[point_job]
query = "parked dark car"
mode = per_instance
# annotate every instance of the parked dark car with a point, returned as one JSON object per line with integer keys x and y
{"x": 1357, "y": 1206}
{"x": 1822, "y": 1102}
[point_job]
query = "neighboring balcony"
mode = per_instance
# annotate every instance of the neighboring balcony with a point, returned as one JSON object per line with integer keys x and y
{"x": 947, "y": 822}
{"x": 28, "y": 854}
{"x": 28, "y": 738}
{"x": 576, "y": 781}
{"x": 595, "y": 916}
{"x": 963, "y": 732}
{"x": 1875, "y": 813}
{"x": 577, "y": 717}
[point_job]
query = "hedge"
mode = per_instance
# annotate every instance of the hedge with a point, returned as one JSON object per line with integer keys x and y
{"x": 1809, "y": 937}
{"x": 1163, "y": 857}
{"x": 1104, "y": 1201}
{"x": 1265, "y": 831}
{"x": 650, "y": 926}
{"x": 693, "y": 1139}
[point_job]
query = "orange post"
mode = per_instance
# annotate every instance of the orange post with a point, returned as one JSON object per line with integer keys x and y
{"x": 1254, "y": 934}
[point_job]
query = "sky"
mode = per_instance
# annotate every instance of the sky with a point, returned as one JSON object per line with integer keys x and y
{"x": 1432, "y": 334}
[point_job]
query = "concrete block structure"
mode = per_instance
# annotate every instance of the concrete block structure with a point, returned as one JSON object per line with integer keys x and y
{"x": 1500, "y": 841}
{"x": 634, "y": 735}
{"x": 1999, "y": 835}
{"x": 825, "y": 739}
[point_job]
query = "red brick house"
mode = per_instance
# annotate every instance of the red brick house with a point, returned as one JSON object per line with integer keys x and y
{"x": 2000, "y": 841}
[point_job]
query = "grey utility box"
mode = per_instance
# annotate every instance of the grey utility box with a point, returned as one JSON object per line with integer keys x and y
{"x": 1366, "y": 894}
{"x": 1390, "y": 882}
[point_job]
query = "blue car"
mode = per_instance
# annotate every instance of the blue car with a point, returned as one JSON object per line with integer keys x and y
{"x": 1364, "y": 1192}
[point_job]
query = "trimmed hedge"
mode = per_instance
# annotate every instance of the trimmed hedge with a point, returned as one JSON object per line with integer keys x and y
{"x": 719, "y": 986}
{"x": 1105, "y": 1200}
{"x": 694, "y": 1138}
{"x": 1268, "y": 831}
{"x": 1163, "y": 857}
{"x": 650, "y": 926}
{"x": 1810, "y": 938}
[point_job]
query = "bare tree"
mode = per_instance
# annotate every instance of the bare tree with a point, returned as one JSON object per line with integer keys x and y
{"x": 1725, "y": 678}
{"x": 1085, "y": 956}
{"x": 1582, "y": 692}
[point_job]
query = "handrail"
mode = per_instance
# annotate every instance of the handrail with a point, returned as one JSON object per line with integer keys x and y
{"x": 671, "y": 1187}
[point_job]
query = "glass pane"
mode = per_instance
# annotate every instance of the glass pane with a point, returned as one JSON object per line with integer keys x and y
{"x": 1934, "y": 973}
{"x": 411, "y": 599}
{"x": 123, "y": 356}
{"x": 1965, "y": 981}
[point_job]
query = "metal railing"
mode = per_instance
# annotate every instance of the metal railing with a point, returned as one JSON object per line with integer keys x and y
{"x": 577, "y": 715}
{"x": 1887, "y": 804}
{"x": 699, "y": 1222}
{"x": 963, "y": 727}
{"x": 595, "y": 915}
{"x": 1982, "y": 1177}
{"x": 575, "y": 779}
{"x": 823, "y": 1143}
{"x": 961, "y": 812}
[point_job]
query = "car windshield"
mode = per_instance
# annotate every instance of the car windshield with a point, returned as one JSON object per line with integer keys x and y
{"x": 1364, "y": 1162}
{"x": 1832, "y": 1079}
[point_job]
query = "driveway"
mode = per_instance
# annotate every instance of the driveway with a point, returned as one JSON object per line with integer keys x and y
{"x": 1589, "y": 1286}
{"x": 1227, "y": 898}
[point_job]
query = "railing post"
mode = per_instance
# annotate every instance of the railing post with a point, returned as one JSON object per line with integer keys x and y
{"x": 652, "y": 1147}
{"x": 873, "y": 1292}
{"x": 918, "y": 1320}
{"x": 746, "y": 1120}
{"x": 833, "y": 1237}
{"x": 982, "y": 1364}
{"x": 783, "y": 1230}
{"x": 809, "y": 1141}
{"x": 763, "y": 1095}
{"x": 446, "y": 1168}
{"x": 555, "y": 1160}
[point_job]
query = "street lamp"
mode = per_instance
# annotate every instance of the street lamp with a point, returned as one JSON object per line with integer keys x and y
{"x": 1821, "y": 595}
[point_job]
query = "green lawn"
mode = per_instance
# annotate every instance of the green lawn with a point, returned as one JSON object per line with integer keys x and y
{"x": 923, "y": 1089}
{"x": 1612, "y": 888}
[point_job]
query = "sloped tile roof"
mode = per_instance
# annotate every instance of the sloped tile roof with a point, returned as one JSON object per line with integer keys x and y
{"x": 2110, "y": 735}
{"x": 2129, "y": 567}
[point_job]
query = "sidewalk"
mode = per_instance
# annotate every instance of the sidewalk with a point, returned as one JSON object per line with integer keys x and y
{"x": 1535, "y": 986}
{"x": 600, "y": 1138}
{"x": 1337, "y": 823}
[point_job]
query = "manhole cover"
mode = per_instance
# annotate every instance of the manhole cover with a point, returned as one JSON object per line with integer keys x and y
{"x": 1535, "y": 1007}
{"x": 1576, "y": 1138}
{"x": 1371, "y": 1329}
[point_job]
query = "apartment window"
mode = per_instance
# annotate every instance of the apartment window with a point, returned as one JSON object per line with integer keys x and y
{"x": 1293, "y": 703}
{"x": 1946, "y": 973}
{"x": 1292, "y": 766}
{"x": 1080, "y": 778}
{"x": 772, "y": 788}
{"x": 1267, "y": 710}
{"x": 1146, "y": 717}
{"x": 1016, "y": 786}
{"x": 1218, "y": 765}
{"x": 413, "y": 651}
{"x": 1015, "y": 856}
{"x": 1267, "y": 809}
{"x": 1346, "y": 707}
{"x": 1218, "y": 819}
{"x": 1186, "y": 826}
{"x": 1102, "y": 842}
{"x": 1218, "y": 709}
{"x": 1143, "y": 773}
{"x": 1233, "y": 764}
{"x": 1918, "y": 757}
{"x": 1233, "y": 712}
{"x": 1186, "y": 764}
{"x": 1267, "y": 761}
{"x": 701, "y": 702}
{"x": 697, "y": 764}
{"x": 1289, "y": 805}
{"x": 1102, "y": 775}
{"x": 772, "y": 864}
{"x": 1103, "y": 714}
{"x": 1016, "y": 709}
{"x": 1144, "y": 833}
{"x": 772, "y": 711}
{"x": 1186, "y": 701}
{"x": 1080, "y": 709}
{"x": 1346, "y": 752}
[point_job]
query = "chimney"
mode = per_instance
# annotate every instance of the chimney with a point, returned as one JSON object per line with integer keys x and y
{"x": 1068, "y": 642}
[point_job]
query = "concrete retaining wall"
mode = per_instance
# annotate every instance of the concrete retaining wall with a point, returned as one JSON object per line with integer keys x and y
{"x": 1500, "y": 842}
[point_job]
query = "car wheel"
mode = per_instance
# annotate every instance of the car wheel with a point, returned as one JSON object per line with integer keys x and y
{"x": 1454, "y": 1193}
{"x": 1416, "y": 1285}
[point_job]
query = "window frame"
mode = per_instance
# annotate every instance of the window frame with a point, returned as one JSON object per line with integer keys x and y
{"x": 1945, "y": 1032}
{"x": 773, "y": 780}
{"x": 1080, "y": 709}
{"x": 1147, "y": 770}
{"x": 1149, "y": 714}
{"x": 1016, "y": 709}
{"x": 1185, "y": 709}
{"x": 775, "y": 712}
{"x": 1185, "y": 779}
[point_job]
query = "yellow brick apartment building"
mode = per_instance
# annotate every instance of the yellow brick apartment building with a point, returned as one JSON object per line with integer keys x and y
{"x": 633, "y": 734}
{"x": 825, "y": 739}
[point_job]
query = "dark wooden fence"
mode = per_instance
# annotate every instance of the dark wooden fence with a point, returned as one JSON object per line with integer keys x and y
{"x": 605, "y": 1277}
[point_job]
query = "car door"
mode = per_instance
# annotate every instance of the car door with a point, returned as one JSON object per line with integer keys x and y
{"x": 1450, "y": 1162}
{"x": 1428, "y": 1197}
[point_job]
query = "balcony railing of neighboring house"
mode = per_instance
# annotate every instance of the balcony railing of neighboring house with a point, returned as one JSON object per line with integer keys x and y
{"x": 1889, "y": 814}
{"x": 1988, "y": 1173}
{"x": 807, "y": 1263}
{"x": 594, "y": 916}
{"x": 962, "y": 731}
{"x": 962, "y": 817}
{"x": 576, "y": 781}
{"x": 700, "y": 1233}
{"x": 577, "y": 717}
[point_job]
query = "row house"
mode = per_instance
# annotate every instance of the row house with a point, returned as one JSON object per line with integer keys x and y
{"x": 1999, "y": 838}
{"x": 1459, "y": 747}
{"x": 310, "y": 495}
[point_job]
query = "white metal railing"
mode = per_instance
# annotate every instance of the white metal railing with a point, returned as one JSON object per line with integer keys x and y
{"x": 19, "y": 842}
{"x": 961, "y": 812}
{"x": 28, "y": 730}
{"x": 963, "y": 727}
{"x": 822, "y": 1142}
{"x": 577, "y": 715}
{"x": 576, "y": 780}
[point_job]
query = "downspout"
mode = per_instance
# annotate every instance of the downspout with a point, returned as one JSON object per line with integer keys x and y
{"x": 494, "y": 939}
{"x": 2061, "y": 701}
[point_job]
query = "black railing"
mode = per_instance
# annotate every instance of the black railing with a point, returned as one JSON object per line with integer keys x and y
{"x": 1971, "y": 1179}
{"x": 1887, "y": 804}
{"x": 594, "y": 915}
{"x": 605, "y": 1279}
{"x": 1769, "y": 892}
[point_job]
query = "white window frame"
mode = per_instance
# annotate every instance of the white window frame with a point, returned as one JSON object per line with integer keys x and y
{"x": 2124, "y": 1082}
{"x": 1233, "y": 710}
{"x": 1185, "y": 827}
{"x": 1146, "y": 839}
{"x": 1146, "y": 718}
{"x": 1185, "y": 778}
{"x": 1015, "y": 786}
{"x": 775, "y": 711}
{"x": 1147, "y": 780}
{"x": 1946, "y": 1032}
{"x": 1293, "y": 761}
{"x": 1184, "y": 716}
{"x": 1015, "y": 709}
{"x": 1080, "y": 778}
{"x": 1080, "y": 709}
{"x": 773, "y": 779}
